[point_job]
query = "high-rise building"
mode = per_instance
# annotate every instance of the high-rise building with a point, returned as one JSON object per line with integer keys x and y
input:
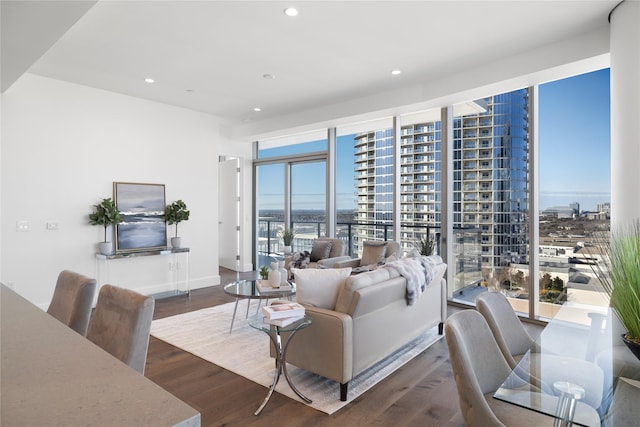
{"x": 374, "y": 183}
{"x": 490, "y": 181}
{"x": 491, "y": 177}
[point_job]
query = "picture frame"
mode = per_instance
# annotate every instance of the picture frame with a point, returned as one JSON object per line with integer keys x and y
{"x": 142, "y": 209}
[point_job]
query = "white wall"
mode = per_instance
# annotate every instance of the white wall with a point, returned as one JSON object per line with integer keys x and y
{"x": 63, "y": 145}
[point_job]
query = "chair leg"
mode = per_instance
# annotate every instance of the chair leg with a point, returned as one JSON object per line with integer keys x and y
{"x": 343, "y": 391}
{"x": 440, "y": 328}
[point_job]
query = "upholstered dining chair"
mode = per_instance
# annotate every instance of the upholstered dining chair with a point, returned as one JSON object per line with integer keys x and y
{"x": 479, "y": 369}
{"x": 514, "y": 342}
{"x": 512, "y": 338}
{"x": 72, "y": 300}
{"x": 625, "y": 409}
{"x": 121, "y": 323}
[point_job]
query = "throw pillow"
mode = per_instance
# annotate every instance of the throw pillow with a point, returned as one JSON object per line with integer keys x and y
{"x": 320, "y": 250}
{"x": 320, "y": 287}
{"x": 300, "y": 259}
{"x": 373, "y": 253}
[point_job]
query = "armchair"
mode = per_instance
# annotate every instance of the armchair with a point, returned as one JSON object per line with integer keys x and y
{"x": 373, "y": 253}
{"x": 337, "y": 253}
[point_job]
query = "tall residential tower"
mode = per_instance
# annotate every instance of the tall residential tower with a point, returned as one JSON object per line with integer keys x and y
{"x": 490, "y": 181}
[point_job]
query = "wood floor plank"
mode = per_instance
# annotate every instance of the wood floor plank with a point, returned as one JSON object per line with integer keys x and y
{"x": 421, "y": 393}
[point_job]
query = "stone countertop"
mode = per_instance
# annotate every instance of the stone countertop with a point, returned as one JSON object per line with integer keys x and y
{"x": 50, "y": 375}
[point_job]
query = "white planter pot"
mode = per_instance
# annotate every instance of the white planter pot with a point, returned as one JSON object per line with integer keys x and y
{"x": 105, "y": 248}
{"x": 176, "y": 242}
{"x": 287, "y": 250}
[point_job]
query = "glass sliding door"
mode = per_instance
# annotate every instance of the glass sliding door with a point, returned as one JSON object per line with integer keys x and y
{"x": 270, "y": 197}
{"x": 290, "y": 192}
{"x": 308, "y": 202}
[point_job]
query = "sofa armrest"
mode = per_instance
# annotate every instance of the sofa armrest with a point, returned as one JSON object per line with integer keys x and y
{"x": 349, "y": 262}
{"x": 324, "y": 348}
{"x": 330, "y": 262}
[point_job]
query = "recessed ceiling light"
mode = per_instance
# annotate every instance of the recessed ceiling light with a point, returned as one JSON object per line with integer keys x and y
{"x": 257, "y": 109}
{"x": 148, "y": 80}
{"x": 396, "y": 72}
{"x": 291, "y": 11}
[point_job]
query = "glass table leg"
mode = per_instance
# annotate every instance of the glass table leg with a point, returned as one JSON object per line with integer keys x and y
{"x": 569, "y": 396}
{"x": 233, "y": 318}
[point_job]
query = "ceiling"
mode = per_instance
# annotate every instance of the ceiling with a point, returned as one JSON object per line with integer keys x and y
{"x": 212, "y": 56}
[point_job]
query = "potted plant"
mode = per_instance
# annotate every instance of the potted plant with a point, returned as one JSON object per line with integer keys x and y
{"x": 264, "y": 272}
{"x": 175, "y": 213}
{"x": 287, "y": 236}
{"x": 426, "y": 246}
{"x": 105, "y": 213}
{"x": 619, "y": 274}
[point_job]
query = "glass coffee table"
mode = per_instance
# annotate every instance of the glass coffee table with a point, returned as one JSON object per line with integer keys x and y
{"x": 280, "y": 348}
{"x": 248, "y": 289}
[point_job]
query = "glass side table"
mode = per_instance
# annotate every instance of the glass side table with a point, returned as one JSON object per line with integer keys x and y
{"x": 274, "y": 332}
{"x": 248, "y": 289}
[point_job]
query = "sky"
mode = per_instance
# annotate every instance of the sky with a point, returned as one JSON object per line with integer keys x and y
{"x": 574, "y": 141}
{"x": 574, "y": 152}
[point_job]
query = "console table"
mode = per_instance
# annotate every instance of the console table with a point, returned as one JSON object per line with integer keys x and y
{"x": 178, "y": 264}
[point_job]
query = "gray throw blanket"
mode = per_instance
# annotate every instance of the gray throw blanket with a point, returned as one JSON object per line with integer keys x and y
{"x": 418, "y": 271}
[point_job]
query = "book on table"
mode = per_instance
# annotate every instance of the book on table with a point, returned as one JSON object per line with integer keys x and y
{"x": 284, "y": 321}
{"x": 278, "y": 311}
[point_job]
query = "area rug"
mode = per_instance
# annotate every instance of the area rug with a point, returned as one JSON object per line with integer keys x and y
{"x": 245, "y": 351}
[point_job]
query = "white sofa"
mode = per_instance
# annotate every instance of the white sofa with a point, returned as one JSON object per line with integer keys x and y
{"x": 370, "y": 320}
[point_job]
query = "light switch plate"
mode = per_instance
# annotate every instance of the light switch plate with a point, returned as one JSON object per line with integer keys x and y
{"x": 23, "y": 226}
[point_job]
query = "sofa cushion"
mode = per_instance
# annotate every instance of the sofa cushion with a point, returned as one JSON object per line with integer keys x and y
{"x": 373, "y": 253}
{"x": 319, "y": 287}
{"x": 320, "y": 250}
{"x": 359, "y": 281}
{"x": 338, "y": 247}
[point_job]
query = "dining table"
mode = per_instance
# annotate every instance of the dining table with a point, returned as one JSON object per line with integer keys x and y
{"x": 51, "y": 375}
{"x": 578, "y": 357}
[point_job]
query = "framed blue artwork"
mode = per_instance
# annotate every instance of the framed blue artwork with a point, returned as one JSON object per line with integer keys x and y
{"x": 142, "y": 209}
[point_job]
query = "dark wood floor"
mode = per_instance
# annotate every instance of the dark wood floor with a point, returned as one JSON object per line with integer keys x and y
{"x": 422, "y": 392}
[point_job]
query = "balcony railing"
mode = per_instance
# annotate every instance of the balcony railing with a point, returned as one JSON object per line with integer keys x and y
{"x": 467, "y": 245}
{"x": 352, "y": 233}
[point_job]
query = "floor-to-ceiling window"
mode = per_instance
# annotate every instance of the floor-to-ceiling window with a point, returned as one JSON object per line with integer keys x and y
{"x": 494, "y": 225}
{"x": 574, "y": 196}
{"x": 270, "y": 191}
{"x": 490, "y": 198}
{"x": 290, "y": 192}
{"x": 364, "y": 185}
{"x": 420, "y": 179}
{"x": 308, "y": 201}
